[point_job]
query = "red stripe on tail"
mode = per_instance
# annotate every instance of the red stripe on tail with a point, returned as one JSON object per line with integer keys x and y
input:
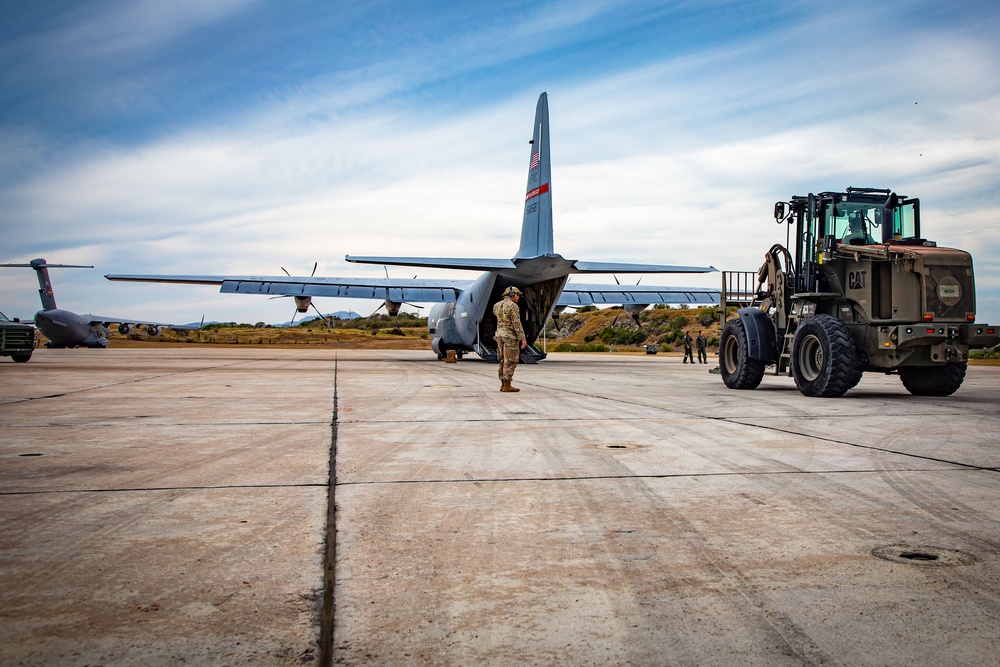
{"x": 540, "y": 190}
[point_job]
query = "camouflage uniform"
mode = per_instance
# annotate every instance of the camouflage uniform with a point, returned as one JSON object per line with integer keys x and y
{"x": 508, "y": 337}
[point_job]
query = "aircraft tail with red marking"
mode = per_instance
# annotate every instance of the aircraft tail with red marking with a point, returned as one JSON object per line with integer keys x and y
{"x": 536, "y": 229}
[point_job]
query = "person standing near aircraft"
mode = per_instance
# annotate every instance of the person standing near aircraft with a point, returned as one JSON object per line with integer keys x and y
{"x": 702, "y": 344}
{"x": 509, "y": 337}
{"x": 687, "y": 347}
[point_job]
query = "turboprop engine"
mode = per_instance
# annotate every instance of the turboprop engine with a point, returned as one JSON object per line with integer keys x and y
{"x": 634, "y": 309}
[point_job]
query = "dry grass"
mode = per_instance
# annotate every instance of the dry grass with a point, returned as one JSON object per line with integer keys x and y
{"x": 291, "y": 337}
{"x": 416, "y": 338}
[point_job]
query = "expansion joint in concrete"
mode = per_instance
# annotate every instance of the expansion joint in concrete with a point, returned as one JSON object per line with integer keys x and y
{"x": 330, "y": 554}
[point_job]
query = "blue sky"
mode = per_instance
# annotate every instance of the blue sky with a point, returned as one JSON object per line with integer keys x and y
{"x": 240, "y": 136}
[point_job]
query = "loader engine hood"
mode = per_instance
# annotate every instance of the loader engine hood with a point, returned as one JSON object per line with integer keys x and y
{"x": 949, "y": 291}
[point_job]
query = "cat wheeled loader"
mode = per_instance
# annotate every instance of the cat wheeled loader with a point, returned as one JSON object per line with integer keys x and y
{"x": 855, "y": 289}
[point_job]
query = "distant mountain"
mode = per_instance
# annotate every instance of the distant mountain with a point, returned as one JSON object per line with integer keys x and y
{"x": 342, "y": 314}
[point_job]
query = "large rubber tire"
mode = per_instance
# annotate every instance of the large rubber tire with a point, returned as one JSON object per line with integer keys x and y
{"x": 824, "y": 359}
{"x": 738, "y": 370}
{"x": 21, "y": 358}
{"x": 933, "y": 380}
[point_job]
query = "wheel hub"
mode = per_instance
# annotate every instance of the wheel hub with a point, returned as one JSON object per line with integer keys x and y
{"x": 811, "y": 358}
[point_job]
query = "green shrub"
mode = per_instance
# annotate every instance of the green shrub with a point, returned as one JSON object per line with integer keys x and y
{"x": 707, "y": 317}
{"x": 570, "y": 347}
{"x": 622, "y": 336}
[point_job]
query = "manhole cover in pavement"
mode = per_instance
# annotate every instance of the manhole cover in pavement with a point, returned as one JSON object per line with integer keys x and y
{"x": 923, "y": 555}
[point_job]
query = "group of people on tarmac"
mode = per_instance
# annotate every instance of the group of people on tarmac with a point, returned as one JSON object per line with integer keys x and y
{"x": 702, "y": 343}
{"x": 511, "y": 340}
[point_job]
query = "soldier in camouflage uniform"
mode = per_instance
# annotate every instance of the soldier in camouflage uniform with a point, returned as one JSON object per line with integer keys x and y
{"x": 509, "y": 337}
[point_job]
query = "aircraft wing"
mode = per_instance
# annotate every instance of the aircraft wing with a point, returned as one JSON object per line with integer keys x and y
{"x": 488, "y": 264}
{"x": 582, "y": 294}
{"x": 467, "y": 263}
{"x": 106, "y": 321}
{"x": 616, "y": 267}
{"x": 395, "y": 289}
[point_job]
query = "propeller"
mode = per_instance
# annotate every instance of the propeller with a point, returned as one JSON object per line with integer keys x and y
{"x": 633, "y": 313}
{"x": 315, "y": 264}
{"x": 392, "y": 307}
{"x": 302, "y": 303}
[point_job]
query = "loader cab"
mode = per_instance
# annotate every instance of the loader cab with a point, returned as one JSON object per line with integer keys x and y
{"x": 859, "y": 216}
{"x": 857, "y": 220}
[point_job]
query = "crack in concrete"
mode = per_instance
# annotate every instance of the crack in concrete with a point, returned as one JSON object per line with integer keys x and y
{"x": 847, "y": 443}
{"x": 328, "y": 615}
{"x": 743, "y": 473}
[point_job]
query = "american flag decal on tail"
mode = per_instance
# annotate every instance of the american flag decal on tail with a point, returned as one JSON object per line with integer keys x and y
{"x": 534, "y": 160}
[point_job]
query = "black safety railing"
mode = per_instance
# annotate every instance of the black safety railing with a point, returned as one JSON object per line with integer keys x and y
{"x": 739, "y": 289}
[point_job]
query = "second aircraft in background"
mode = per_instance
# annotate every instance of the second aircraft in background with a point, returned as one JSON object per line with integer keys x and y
{"x": 65, "y": 328}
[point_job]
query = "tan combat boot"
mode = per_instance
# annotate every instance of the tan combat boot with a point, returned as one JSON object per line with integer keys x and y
{"x": 508, "y": 387}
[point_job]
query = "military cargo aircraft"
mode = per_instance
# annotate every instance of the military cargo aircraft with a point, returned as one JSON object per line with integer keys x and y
{"x": 462, "y": 317}
{"x": 64, "y": 328}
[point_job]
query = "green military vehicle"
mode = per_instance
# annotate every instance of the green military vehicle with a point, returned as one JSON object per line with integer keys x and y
{"x": 855, "y": 289}
{"x": 17, "y": 340}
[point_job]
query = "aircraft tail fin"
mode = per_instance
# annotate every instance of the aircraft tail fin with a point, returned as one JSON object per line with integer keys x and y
{"x": 45, "y": 292}
{"x": 536, "y": 228}
{"x": 41, "y": 268}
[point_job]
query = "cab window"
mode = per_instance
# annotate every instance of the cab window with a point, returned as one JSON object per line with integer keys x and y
{"x": 904, "y": 221}
{"x": 854, "y": 223}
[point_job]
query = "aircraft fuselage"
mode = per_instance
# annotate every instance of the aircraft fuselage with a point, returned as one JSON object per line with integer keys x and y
{"x": 468, "y": 323}
{"x": 64, "y": 328}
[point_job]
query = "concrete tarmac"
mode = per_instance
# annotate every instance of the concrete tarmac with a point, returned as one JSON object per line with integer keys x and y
{"x": 170, "y": 505}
